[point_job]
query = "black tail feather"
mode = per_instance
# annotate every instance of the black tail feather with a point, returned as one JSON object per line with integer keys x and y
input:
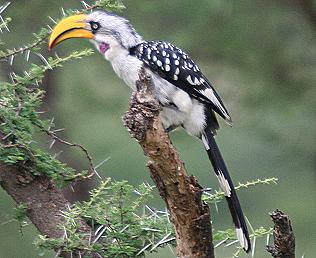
{"x": 228, "y": 188}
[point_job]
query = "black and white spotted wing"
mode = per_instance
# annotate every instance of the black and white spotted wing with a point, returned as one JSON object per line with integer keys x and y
{"x": 175, "y": 66}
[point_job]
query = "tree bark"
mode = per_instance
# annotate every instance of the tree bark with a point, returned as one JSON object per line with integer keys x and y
{"x": 44, "y": 202}
{"x": 181, "y": 193}
{"x": 284, "y": 240}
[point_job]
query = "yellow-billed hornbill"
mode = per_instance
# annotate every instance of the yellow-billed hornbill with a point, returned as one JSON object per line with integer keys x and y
{"x": 186, "y": 96}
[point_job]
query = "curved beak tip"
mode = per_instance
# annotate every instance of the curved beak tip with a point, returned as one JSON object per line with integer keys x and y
{"x": 71, "y": 27}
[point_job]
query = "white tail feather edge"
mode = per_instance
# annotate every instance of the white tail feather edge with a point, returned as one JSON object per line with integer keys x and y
{"x": 242, "y": 238}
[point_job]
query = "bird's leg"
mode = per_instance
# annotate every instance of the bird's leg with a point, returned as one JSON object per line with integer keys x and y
{"x": 171, "y": 128}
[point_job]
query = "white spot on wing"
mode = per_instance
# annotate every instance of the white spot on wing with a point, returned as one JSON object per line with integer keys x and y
{"x": 175, "y": 77}
{"x": 176, "y": 62}
{"x": 189, "y": 79}
{"x": 159, "y": 63}
{"x": 155, "y": 58}
{"x": 177, "y": 71}
{"x": 167, "y": 60}
{"x": 167, "y": 67}
{"x": 223, "y": 183}
{"x": 196, "y": 81}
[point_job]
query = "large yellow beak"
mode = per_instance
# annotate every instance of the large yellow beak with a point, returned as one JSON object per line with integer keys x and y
{"x": 70, "y": 27}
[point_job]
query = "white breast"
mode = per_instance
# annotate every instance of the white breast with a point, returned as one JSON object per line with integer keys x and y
{"x": 189, "y": 113}
{"x": 127, "y": 67}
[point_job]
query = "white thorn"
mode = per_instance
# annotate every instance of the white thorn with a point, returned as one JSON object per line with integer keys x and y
{"x": 52, "y": 19}
{"x": 138, "y": 193}
{"x": 154, "y": 213}
{"x": 123, "y": 229}
{"x": 220, "y": 243}
{"x": 49, "y": 27}
{"x": 152, "y": 229}
{"x": 102, "y": 162}
{"x": 231, "y": 243}
{"x": 98, "y": 229}
{"x": 52, "y": 144}
{"x": 27, "y": 74}
{"x": 253, "y": 247}
{"x": 11, "y": 60}
{"x": 100, "y": 234}
{"x": 171, "y": 250}
{"x": 44, "y": 61}
{"x": 12, "y": 77}
{"x": 96, "y": 172}
{"x": 268, "y": 239}
{"x": 251, "y": 227}
{"x": 163, "y": 240}
{"x": 57, "y": 154}
{"x": 27, "y": 55}
{"x": 62, "y": 11}
{"x": 3, "y": 7}
{"x": 143, "y": 249}
{"x": 85, "y": 4}
{"x": 4, "y": 23}
{"x": 58, "y": 130}
{"x": 167, "y": 215}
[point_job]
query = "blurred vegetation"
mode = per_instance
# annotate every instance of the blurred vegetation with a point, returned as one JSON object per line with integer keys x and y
{"x": 261, "y": 57}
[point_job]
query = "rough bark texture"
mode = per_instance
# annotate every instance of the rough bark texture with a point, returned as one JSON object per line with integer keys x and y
{"x": 44, "y": 201}
{"x": 284, "y": 240}
{"x": 182, "y": 193}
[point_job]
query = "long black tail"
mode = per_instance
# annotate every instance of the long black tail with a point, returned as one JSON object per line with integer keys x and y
{"x": 228, "y": 188}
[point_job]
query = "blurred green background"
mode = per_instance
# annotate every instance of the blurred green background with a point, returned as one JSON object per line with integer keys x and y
{"x": 261, "y": 57}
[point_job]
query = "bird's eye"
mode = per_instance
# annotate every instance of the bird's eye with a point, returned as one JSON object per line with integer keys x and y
{"x": 94, "y": 26}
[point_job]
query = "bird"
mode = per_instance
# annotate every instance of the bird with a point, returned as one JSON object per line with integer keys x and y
{"x": 187, "y": 98}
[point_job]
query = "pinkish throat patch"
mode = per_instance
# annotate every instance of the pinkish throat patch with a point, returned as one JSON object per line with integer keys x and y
{"x": 103, "y": 47}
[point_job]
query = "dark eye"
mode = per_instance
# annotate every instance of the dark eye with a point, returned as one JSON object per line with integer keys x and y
{"x": 94, "y": 26}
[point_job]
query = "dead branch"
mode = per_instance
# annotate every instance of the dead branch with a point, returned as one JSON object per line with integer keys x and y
{"x": 284, "y": 240}
{"x": 181, "y": 193}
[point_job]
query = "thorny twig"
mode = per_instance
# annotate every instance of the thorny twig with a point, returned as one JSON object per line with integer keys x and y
{"x": 36, "y": 43}
{"x": 72, "y": 144}
{"x": 23, "y": 49}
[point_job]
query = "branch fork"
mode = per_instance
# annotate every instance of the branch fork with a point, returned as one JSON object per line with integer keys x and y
{"x": 181, "y": 193}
